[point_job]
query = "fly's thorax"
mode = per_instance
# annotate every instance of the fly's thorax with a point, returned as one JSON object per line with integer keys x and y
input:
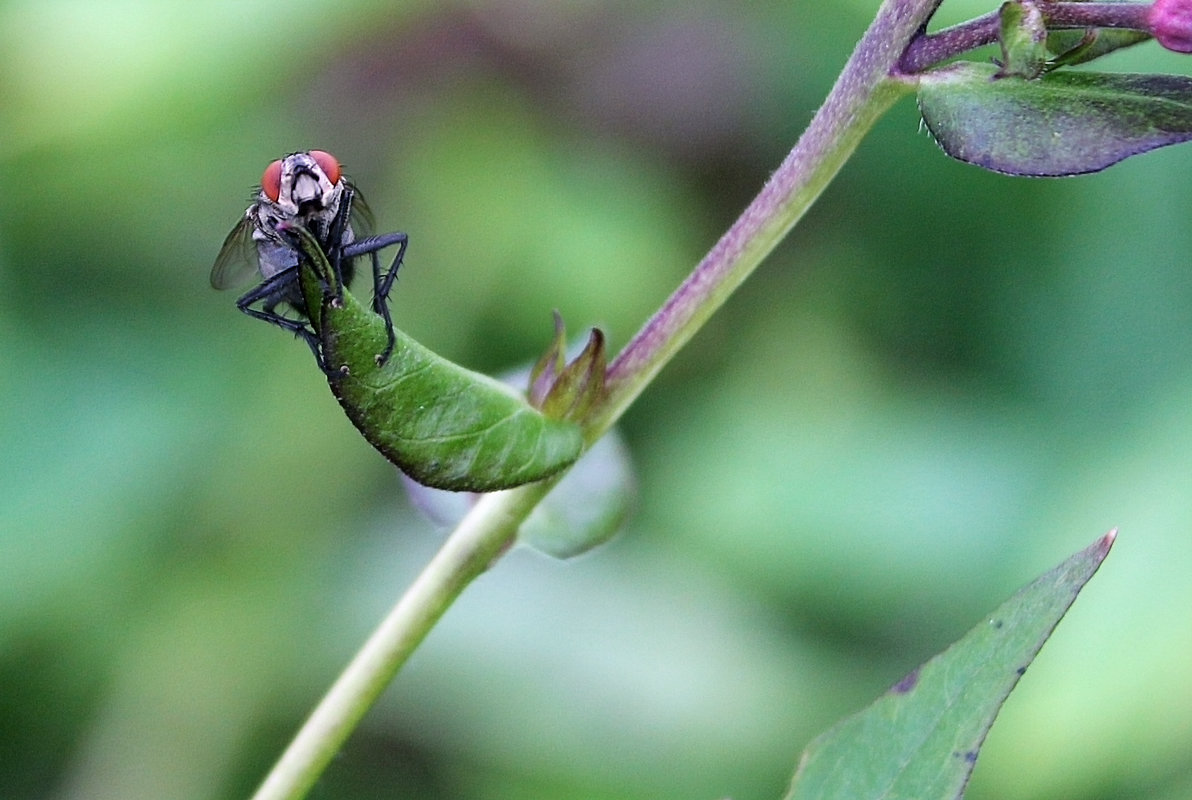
{"x": 275, "y": 259}
{"x": 273, "y": 252}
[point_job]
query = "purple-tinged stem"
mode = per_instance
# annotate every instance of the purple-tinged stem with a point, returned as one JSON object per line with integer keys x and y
{"x": 930, "y": 49}
{"x": 861, "y": 95}
{"x": 863, "y": 91}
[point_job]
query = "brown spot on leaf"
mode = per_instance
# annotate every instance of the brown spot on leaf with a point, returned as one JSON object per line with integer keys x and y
{"x": 907, "y": 683}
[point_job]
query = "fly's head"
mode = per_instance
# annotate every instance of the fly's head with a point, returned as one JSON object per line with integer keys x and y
{"x": 303, "y": 185}
{"x": 301, "y": 189}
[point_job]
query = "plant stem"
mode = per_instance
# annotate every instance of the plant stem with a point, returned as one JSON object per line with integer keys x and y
{"x": 928, "y": 50}
{"x": 472, "y": 547}
{"x": 862, "y": 93}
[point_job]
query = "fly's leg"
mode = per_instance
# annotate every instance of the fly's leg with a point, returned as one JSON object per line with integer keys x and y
{"x": 382, "y": 282}
{"x": 270, "y": 292}
{"x": 333, "y": 247}
{"x": 382, "y": 285}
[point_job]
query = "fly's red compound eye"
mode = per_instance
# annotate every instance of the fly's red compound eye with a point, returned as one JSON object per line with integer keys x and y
{"x": 271, "y": 181}
{"x": 327, "y": 163}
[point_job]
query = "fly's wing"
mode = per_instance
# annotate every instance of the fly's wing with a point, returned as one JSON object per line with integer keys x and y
{"x": 238, "y": 259}
{"x": 361, "y": 218}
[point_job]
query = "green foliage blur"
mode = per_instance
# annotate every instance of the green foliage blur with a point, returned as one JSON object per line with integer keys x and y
{"x": 942, "y": 384}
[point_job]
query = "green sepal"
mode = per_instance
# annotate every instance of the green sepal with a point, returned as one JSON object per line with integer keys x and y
{"x": 443, "y": 425}
{"x": 580, "y": 384}
{"x": 1073, "y": 46}
{"x": 546, "y": 370}
{"x": 568, "y": 391}
{"x": 1023, "y": 38}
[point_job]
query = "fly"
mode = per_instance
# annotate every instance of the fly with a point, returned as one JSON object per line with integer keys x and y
{"x": 306, "y": 189}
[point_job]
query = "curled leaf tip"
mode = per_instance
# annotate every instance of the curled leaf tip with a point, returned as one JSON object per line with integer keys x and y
{"x": 441, "y": 424}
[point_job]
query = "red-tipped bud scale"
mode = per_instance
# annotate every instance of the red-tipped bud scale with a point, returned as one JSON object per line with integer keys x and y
{"x": 1171, "y": 24}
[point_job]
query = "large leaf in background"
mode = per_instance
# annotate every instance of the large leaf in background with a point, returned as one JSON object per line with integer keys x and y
{"x": 1064, "y": 123}
{"x": 921, "y": 739}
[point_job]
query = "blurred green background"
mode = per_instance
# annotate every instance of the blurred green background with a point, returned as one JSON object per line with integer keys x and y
{"x": 942, "y": 384}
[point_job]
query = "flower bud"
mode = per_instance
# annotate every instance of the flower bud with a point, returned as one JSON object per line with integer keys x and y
{"x": 1171, "y": 24}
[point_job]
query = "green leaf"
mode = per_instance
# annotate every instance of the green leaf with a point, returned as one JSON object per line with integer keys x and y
{"x": 441, "y": 424}
{"x": 920, "y": 740}
{"x": 1064, "y": 123}
{"x": 586, "y": 508}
